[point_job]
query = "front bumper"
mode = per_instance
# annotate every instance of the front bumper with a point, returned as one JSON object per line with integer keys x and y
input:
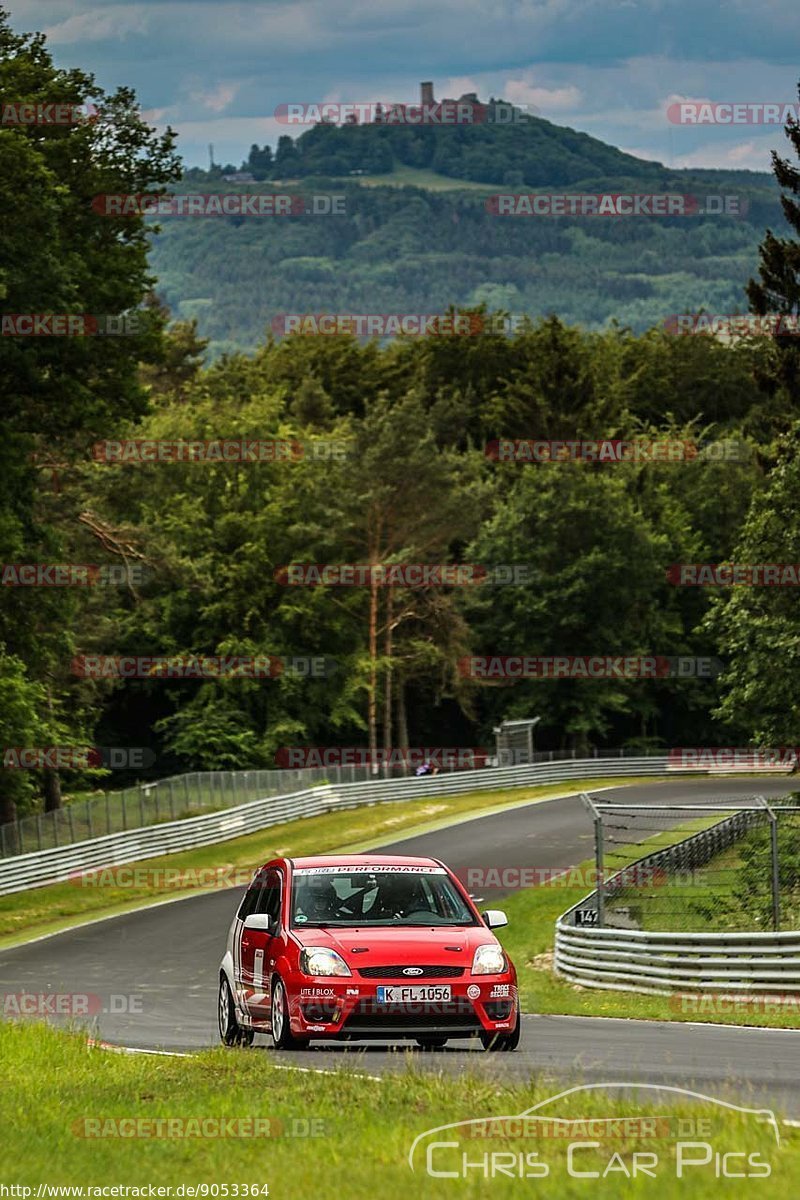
{"x": 350, "y": 1008}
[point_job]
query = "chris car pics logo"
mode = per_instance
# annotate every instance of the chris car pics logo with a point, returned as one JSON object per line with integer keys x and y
{"x": 537, "y": 1144}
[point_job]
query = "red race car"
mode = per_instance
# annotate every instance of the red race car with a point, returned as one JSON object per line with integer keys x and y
{"x": 365, "y": 946}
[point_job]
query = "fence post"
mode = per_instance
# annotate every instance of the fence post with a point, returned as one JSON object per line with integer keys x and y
{"x": 598, "y": 855}
{"x": 124, "y": 811}
{"x": 38, "y": 831}
{"x": 71, "y": 823}
{"x": 171, "y": 801}
{"x": 89, "y": 822}
{"x": 108, "y": 813}
{"x": 776, "y": 881}
{"x": 141, "y": 803}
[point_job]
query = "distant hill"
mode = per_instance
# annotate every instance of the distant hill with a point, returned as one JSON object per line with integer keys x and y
{"x": 419, "y": 233}
{"x": 499, "y": 145}
{"x": 504, "y": 145}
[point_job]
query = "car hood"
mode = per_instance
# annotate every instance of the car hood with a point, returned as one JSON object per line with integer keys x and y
{"x": 417, "y": 945}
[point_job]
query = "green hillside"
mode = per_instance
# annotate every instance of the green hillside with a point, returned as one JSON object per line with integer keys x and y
{"x": 422, "y": 248}
{"x": 528, "y": 151}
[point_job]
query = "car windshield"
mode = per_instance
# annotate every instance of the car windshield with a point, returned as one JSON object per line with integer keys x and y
{"x": 351, "y": 896}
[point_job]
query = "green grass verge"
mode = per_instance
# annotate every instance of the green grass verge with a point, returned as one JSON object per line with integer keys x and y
{"x": 365, "y": 1128}
{"x": 58, "y": 906}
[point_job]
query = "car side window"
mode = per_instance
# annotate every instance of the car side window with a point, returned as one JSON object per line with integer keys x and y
{"x": 251, "y": 899}
{"x": 269, "y": 899}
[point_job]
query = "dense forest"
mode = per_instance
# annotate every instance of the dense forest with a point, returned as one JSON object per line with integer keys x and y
{"x": 415, "y": 249}
{"x": 389, "y": 466}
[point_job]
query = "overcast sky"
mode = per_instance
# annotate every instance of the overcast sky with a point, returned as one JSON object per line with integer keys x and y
{"x": 217, "y": 69}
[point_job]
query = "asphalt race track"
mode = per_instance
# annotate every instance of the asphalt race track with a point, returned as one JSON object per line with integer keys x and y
{"x": 154, "y": 975}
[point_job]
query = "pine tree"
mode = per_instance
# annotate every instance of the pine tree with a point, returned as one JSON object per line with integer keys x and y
{"x": 778, "y": 291}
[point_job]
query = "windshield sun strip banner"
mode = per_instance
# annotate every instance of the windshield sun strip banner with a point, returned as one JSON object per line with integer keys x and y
{"x": 369, "y": 870}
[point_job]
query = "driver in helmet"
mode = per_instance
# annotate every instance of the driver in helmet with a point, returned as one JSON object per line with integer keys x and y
{"x": 318, "y": 900}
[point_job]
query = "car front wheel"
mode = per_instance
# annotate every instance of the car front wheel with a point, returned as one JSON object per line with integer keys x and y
{"x": 230, "y": 1031}
{"x": 282, "y": 1034}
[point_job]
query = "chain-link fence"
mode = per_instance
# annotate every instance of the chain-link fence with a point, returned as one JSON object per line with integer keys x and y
{"x": 208, "y": 791}
{"x": 726, "y": 864}
{"x": 162, "y": 800}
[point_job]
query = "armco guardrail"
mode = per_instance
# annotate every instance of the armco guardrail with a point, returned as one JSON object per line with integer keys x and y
{"x": 179, "y": 796}
{"x": 635, "y": 960}
{"x": 49, "y": 866}
{"x": 657, "y": 962}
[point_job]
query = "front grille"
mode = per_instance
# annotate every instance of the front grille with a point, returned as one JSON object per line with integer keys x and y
{"x": 442, "y": 1015}
{"x": 396, "y": 972}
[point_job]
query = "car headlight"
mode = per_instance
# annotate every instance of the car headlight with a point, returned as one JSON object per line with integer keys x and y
{"x": 489, "y": 960}
{"x": 318, "y": 960}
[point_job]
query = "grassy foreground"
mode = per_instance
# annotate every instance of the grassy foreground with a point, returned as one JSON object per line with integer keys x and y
{"x": 59, "y": 906}
{"x": 57, "y": 1089}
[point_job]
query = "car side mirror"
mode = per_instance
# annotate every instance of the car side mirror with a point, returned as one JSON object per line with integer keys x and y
{"x": 261, "y": 922}
{"x": 495, "y": 918}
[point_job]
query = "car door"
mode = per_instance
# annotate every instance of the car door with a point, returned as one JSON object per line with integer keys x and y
{"x": 246, "y": 907}
{"x": 256, "y": 957}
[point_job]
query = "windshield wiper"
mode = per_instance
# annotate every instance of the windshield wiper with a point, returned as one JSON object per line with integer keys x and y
{"x": 320, "y": 924}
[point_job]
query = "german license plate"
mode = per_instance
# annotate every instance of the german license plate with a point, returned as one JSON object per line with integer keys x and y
{"x": 408, "y": 993}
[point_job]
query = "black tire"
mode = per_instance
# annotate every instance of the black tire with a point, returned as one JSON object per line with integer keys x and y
{"x": 230, "y": 1031}
{"x": 433, "y": 1042}
{"x": 503, "y": 1041}
{"x": 282, "y": 1036}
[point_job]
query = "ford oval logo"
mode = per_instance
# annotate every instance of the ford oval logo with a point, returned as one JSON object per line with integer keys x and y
{"x": 412, "y": 970}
